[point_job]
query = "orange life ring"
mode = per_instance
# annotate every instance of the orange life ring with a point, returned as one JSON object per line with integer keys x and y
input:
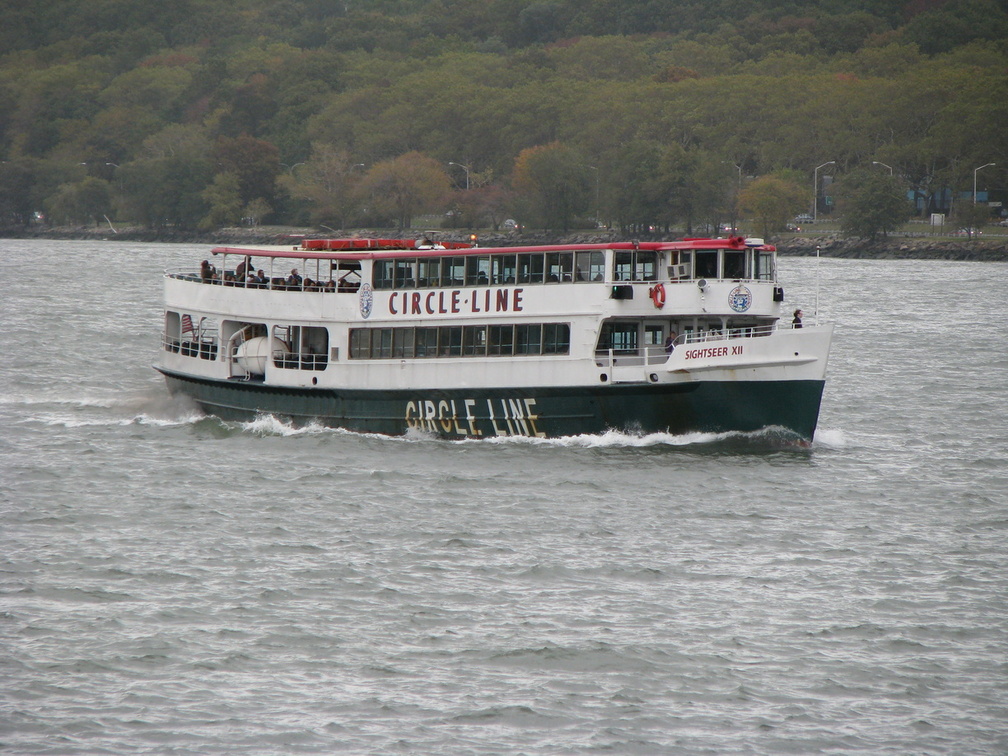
{"x": 657, "y": 293}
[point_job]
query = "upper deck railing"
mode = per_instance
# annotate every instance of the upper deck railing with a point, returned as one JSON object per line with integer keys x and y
{"x": 441, "y": 267}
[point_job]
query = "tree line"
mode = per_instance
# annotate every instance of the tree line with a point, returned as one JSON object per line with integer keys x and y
{"x": 637, "y": 115}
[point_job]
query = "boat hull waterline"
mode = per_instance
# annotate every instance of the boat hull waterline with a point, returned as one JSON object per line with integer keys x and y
{"x": 546, "y": 412}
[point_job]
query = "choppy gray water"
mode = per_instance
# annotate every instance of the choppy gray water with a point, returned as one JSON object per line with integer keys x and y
{"x": 172, "y": 584}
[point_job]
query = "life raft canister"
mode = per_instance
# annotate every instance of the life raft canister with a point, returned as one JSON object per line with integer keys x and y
{"x": 657, "y": 293}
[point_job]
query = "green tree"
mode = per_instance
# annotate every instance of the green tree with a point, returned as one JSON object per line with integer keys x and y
{"x": 255, "y": 163}
{"x": 553, "y": 182}
{"x": 770, "y": 201}
{"x": 224, "y": 198}
{"x": 85, "y": 201}
{"x": 871, "y": 203}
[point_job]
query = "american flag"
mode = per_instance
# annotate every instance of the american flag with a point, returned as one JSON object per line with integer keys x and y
{"x": 187, "y": 325}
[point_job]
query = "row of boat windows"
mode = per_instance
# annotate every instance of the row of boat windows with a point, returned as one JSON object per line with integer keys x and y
{"x": 307, "y": 347}
{"x": 460, "y": 341}
{"x": 564, "y": 267}
{"x": 503, "y": 269}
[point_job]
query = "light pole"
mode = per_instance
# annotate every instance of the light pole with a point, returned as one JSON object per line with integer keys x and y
{"x": 594, "y": 168}
{"x": 815, "y": 188}
{"x": 877, "y": 162}
{"x": 975, "y": 170}
{"x": 466, "y": 169}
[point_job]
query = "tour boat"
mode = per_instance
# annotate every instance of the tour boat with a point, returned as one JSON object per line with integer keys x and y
{"x": 457, "y": 340}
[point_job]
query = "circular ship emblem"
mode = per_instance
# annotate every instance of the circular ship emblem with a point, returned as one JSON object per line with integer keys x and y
{"x": 740, "y": 298}
{"x": 366, "y": 300}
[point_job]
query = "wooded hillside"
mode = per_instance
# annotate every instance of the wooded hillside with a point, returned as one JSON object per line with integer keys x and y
{"x": 205, "y": 113}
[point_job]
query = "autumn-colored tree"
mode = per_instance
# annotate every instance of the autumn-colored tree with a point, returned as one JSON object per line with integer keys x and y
{"x": 770, "y": 201}
{"x": 405, "y": 186}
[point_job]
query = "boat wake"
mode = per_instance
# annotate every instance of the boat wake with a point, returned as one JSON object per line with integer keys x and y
{"x": 154, "y": 408}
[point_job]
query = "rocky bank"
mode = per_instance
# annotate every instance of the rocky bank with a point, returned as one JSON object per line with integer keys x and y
{"x": 989, "y": 249}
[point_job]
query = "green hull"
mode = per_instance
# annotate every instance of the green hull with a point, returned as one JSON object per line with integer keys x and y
{"x": 716, "y": 406}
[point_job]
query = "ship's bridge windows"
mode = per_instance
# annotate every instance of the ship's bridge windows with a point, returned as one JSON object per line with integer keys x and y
{"x": 734, "y": 264}
{"x": 589, "y": 266}
{"x": 763, "y": 266}
{"x": 635, "y": 265}
{"x": 706, "y": 264}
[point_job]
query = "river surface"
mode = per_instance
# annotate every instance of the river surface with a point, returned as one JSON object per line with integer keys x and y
{"x": 173, "y": 584}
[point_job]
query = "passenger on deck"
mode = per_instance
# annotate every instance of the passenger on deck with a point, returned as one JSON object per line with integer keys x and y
{"x": 670, "y": 342}
{"x": 294, "y": 279}
{"x": 796, "y": 323}
{"x": 243, "y": 269}
{"x": 207, "y": 271}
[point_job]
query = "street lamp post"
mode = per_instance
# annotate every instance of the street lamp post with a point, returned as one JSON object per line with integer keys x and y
{"x": 466, "y": 169}
{"x": 815, "y": 189}
{"x": 878, "y": 162}
{"x": 975, "y": 171}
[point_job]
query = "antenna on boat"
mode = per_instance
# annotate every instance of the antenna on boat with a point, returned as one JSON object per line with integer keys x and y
{"x": 817, "y": 284}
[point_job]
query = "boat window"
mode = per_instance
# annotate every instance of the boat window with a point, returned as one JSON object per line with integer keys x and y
{"x": 559, "y": 266}
{"x": 556, "y": 338}
{"x": 450, "y": 341}
{"x": 590, "y": 266}
{"x": 404, "y": 277}
{"x": 734, "y": 264}
{"x": 381, "y": 343}
{"x": 528, "y": 338}
{"x": 360, "y": 343}
{"x": 402, "y": 342}
{"x": 503, "y": 269}
{"x": 500, "y": 339}
{"x": 531, "y": 268}
{"x": 426, "y": 342}
{"x": 764, "y": 266}
{"x": 706, "y": 264}
{"x": 429, "y": 272}
{"x": 452, "y": 271}
{"x": 382, "y": 274}
{"x": 620, "y": 336}
{"x": 623, "y": 266}
{"x": 474, "y": 340}
{"x": 645, "y": 265}
{"x": 653, "y": 335}
{"x": 477, "y": 270}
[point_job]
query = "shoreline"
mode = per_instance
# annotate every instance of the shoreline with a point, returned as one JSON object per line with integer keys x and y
{"x": 991, "y": 249}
